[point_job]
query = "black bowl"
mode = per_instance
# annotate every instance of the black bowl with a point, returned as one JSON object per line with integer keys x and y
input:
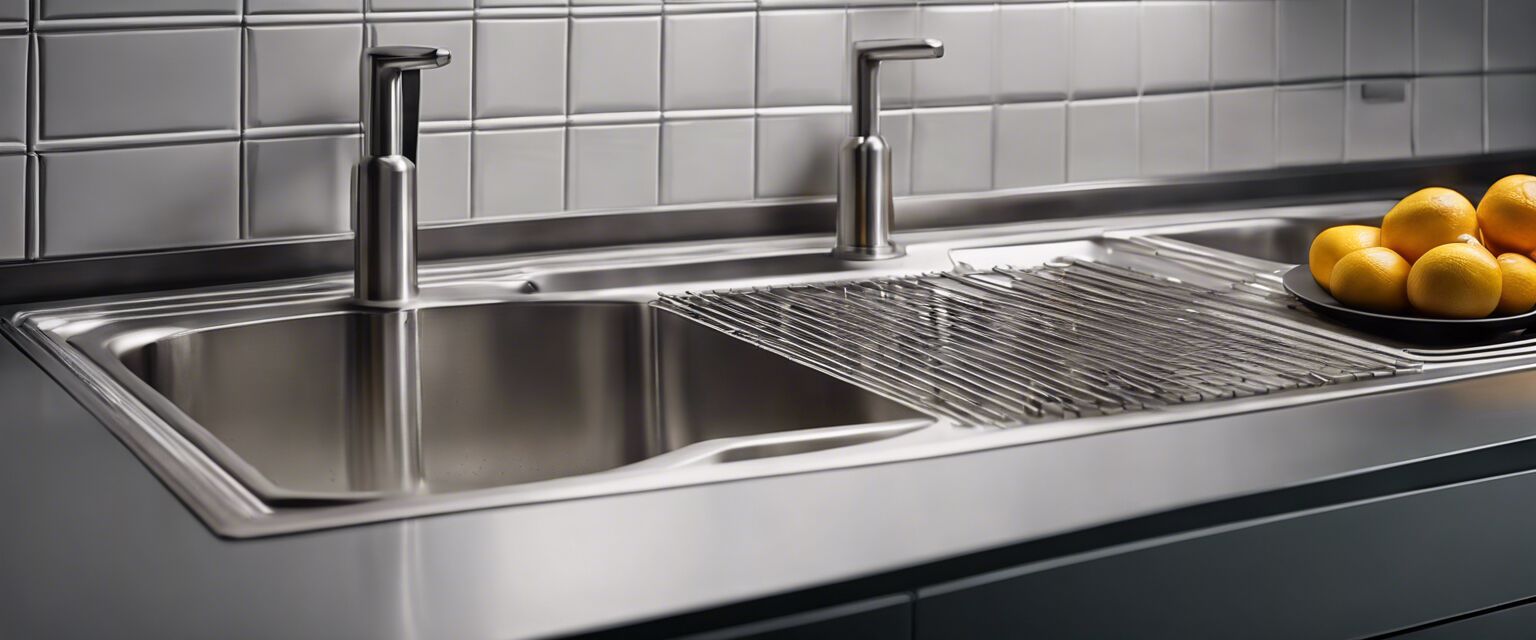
{"x": 1413, "y": 329}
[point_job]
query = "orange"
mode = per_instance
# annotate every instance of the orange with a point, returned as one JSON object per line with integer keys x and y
{"x": 1519, "y": 290}
{"x": 1507, "y": 213}
{"x": 1427, "y": 219}
{"x": 1335, "y": 243}
{"x": 1373, "y": 279}
{"x": 1458, "y": 281}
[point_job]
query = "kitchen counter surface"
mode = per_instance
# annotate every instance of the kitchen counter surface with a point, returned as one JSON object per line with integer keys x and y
{"x": 97, "y": 547}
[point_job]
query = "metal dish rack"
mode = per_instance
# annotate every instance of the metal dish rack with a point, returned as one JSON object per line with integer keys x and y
{"x": 1068, "y": 339}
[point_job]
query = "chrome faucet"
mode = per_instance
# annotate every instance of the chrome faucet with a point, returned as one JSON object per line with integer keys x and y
{"x": 386, "y": 176}
{"x": 864, "y": 203}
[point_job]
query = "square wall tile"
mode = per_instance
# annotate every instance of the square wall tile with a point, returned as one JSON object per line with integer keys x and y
{"x": 1311, "y": 39}
{"x": 964, "y": 74}
{"x": 13, "y": 89}
{"x": 442, "y": 177}
{"x": 1175, "y": 134}
{"x": 896, "y": 128}
{"x": 1102, "y": 140}
{"x": 14, "y": 10}
{"x": 445, "y": 92}
{"x": 707, "y": 160}
{"x": 1380, "y": 38}
{"x": 952, "y": 150}
{"x": 521, "y": 70}
{"x": 1243, "y": 129}
{"x": 145, "y": 198}
{"x": 419, "y": 5}
{"x": 102, "y": 83}
{"x": 300, "y": 186}
{"x": 1105, "y": 49}
{"x": 13, "y": 207}
{"x": 1030, "y": 148}
{"x": 255, "y": 7}
{"x": 1511, "y": 100}
{"x": 797, "y": 154}
{"x": 303, "y": 74}
{"x": 519, "y": 172}
{"x": 1175, "y": 46}
{"x": 710, "y": 61}
{"x": 1378, "y": 120}
{"x": 1310, "y": 124}
{"x": 613, "y": 166}
{"x": 1032, "y": 50}
{"x": 886, "y": 23}
{"x": 801, "y": 58}
{"x": 615, "y": 64}
{"x": 1449, "y": 36}
{"x": 1242, "y": 42}
{"x": 1448, "y": 115}
{"x": 53, "y": 9}
{"x": 1510, "y": 45}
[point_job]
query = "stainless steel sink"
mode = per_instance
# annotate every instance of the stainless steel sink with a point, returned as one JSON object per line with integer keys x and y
{"x": 277, "y": 407}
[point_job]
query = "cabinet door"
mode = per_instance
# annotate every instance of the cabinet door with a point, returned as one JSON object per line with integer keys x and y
{"x": 1515, "y": 623}
{"x": 877, "y": 619}
{"x": 1342, "y": 572}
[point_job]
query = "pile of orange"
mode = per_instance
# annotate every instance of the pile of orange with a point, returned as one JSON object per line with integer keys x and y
{"x": 1435, "y": 253}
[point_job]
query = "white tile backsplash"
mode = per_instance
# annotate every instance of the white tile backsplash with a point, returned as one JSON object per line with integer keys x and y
{"x": 1175, "y": 134}
{"x": 519, "y": 172}
{"x": 1175, "y": 46}
{"x": 1030, "y": 145}
{"x": 710, "y": 61}
{"x": 1105, "y": 49}
{"x": 1449, "y": 36}
{"x": 800, "y": 58}
{"x": 13, "y": 207}
{"x": 707, "y": 160}
{"x": 1102, "y": 140}
{"x": 147, "y": 198}
{"x": 615, "y": 64}
{"x": 952, "y": 150}
{"x": 1448, "y": 115}
{"x": 445, "y": 92}
{"x": 1311, "y": 37}
{"x": 103, "y": 83}
{"x": 507, "y": 83}
{"x": 613, "y": 166}
{"x": 300, "y": 186}
{"x": 620, "y": 103}
{"x": 1310, "y": 124}
{"x": 297, "y": 75}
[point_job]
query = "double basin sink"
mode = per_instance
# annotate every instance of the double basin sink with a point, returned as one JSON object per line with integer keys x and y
{"x": 282, "y": 407}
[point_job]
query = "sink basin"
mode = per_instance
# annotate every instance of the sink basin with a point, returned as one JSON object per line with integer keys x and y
{"x": 509, "y": 393}
{"x": 1282, "y": 240}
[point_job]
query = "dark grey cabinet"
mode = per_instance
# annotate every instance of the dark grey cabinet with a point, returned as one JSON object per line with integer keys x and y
{"x": 1342, "y": 572}
{"x": 876, "y": 619}
{"x": 1514, "y": 623}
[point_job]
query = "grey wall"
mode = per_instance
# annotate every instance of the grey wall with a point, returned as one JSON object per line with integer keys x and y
{"x": 136, "y": 124}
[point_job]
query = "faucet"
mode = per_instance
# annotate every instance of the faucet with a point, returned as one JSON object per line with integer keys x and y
{"x": 864, "y": 202}
{"x": 386, "y": 174}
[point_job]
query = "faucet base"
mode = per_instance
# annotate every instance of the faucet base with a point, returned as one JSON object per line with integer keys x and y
{"x": 883, "y": 252}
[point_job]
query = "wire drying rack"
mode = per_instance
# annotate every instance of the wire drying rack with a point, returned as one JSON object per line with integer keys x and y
{"x": 1068, "y": 339}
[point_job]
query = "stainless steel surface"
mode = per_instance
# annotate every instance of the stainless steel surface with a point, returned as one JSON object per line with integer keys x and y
{"x": 386, "y": 174}
{"x": 865, "y": 205}
{"x": 220, "y": 468}
{"x": 69, "y": 278}
{"x": 1008, "y": 347}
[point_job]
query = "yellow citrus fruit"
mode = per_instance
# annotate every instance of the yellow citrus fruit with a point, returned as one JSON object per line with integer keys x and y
{"x": 1519, "y": 289}
{"x": 1455, "y": 281}
{"x": 1492, "y": 247}
{"x": 1507, "y": 213}
{"x": 1336, "y": 242}
{"x": 1373, "y": 279}
{"x": 1425, "y": 220}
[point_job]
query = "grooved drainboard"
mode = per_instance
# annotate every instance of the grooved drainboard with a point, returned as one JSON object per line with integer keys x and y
{"x": 1015, "y": 346}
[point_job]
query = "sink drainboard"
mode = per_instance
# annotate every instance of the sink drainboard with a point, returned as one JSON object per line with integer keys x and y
{"x": 1015, "y": 346}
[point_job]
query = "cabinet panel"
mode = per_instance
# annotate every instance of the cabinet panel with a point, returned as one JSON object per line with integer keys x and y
{"x": 878, "y": 619}
{"x": 1515, "y": 623}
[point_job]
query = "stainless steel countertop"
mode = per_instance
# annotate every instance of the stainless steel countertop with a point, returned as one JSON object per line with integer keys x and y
{"x": 96, "y": 546}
